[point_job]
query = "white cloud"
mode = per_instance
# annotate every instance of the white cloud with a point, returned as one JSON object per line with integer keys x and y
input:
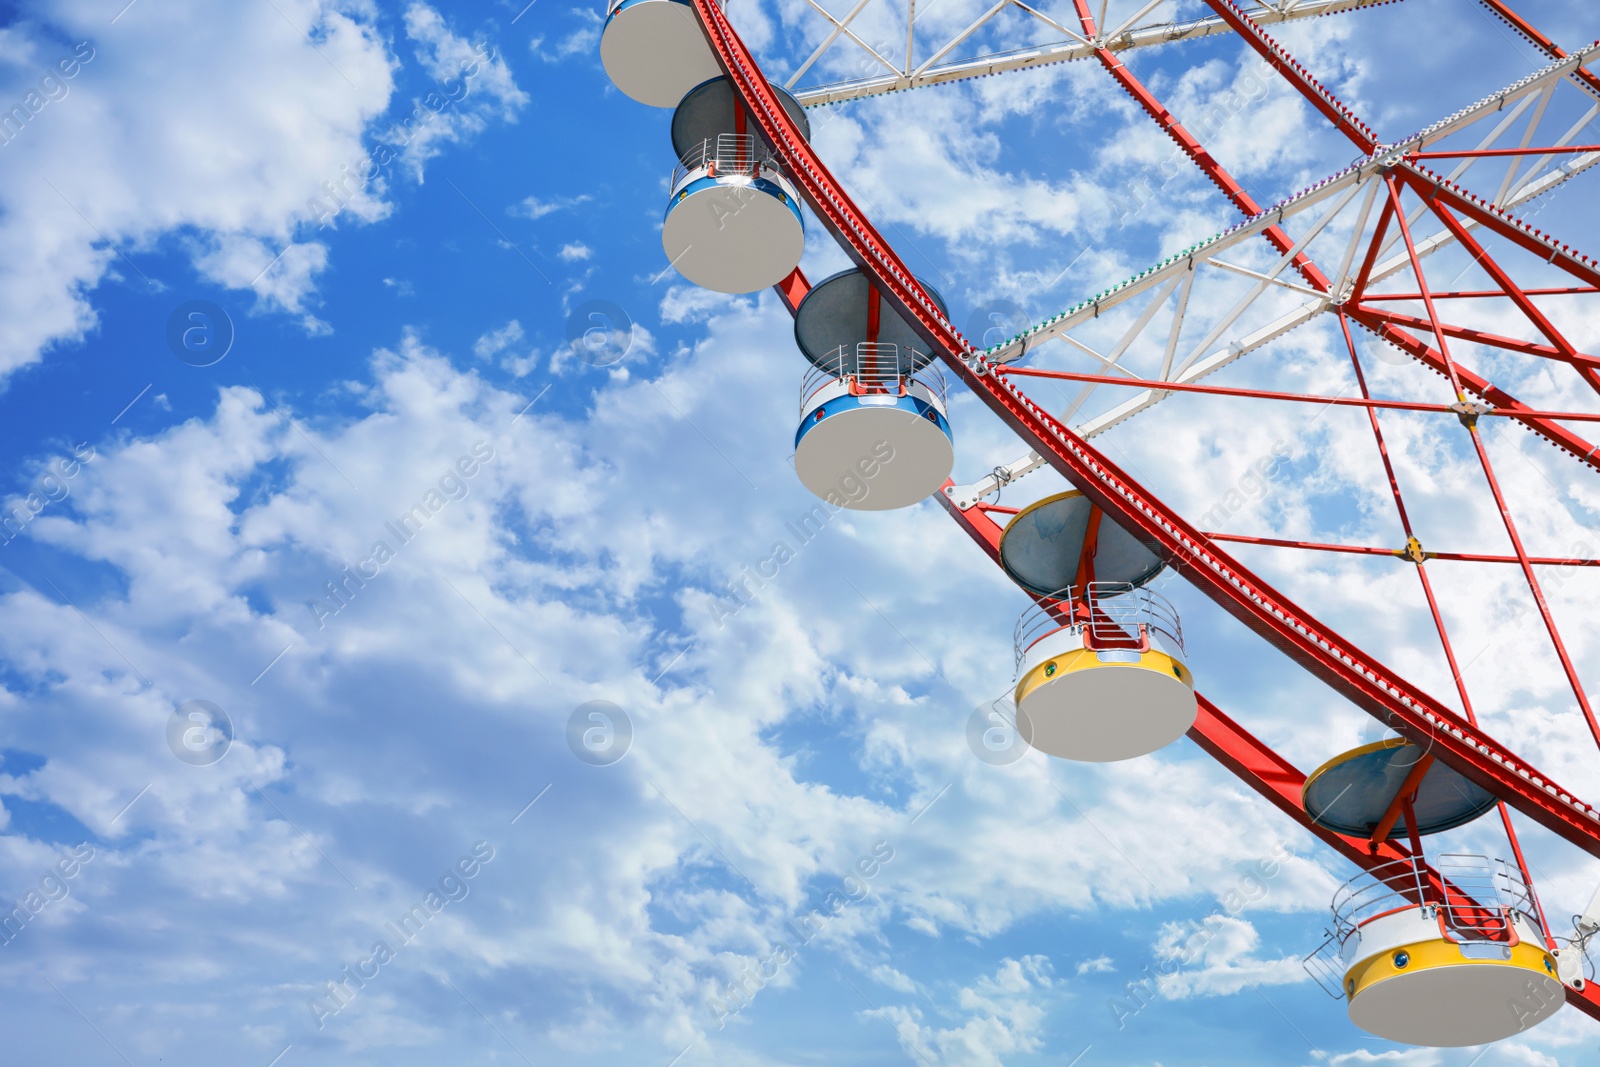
{"x": 142, "y": 146}
{"x": 1004, "y": 1015}
{"x": 1415, "y": 1057}
{"x": 616, "y": 348}
{"x": 583, "y": 41}
{"x": 223, "y": 529}
{"x": 1217, "y": 957}
{"x": 690, "y": 303}
{"x": 533, "y": 208}
{"x": 496, "y": 341}
{"x": 521, "y": 366}
{"x": 449, "y": 58}
{"x": 472, "y": 86}
{"x": 585, "y": 561}
{"x": 575, "y": 252}
{"x": 885, "y": 975}
{"x": 284, "y": 278}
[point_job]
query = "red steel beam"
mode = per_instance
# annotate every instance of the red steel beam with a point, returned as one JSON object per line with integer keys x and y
{"x": 1481, "y": 294}
{"x": 1227, "y": 743}
{"x": 1254, "y": 763}
{"x": 1568, "y": 354}
{"x": 1425, "y": 354}
{"x": 1359, "y": 287}
{"x": 1438, "y": 191}
{"x": 1365, "y": 681}
{"x": 1471, "y": 425}
{"x": 1273, "y": 778}
{"x": 1540, "y": 41}
{"x": 1415, "y": 553}
{"x": 1196, "y": 152}
{"x": 1541, "y": 322}
{"x": 1364, "y": 138}
{"x": 1258, "y": 766}
{"x": 1345, "y": 120}
{"x": 1161, "y": 385}
{"x": 1365, "y": 550}
{"x": 1557, "y": 434}
{"x": 1279, "y": 782}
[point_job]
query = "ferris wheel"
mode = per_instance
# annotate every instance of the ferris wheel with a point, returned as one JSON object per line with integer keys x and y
{"x": 1419, "y": 254}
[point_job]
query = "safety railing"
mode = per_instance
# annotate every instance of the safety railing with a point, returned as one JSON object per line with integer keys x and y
{"x": 1477, "y": 898}
{"x": 728, "y": 155}
{"x": 612, "y": 5}
{"x": 874, "y": 369}
{"x": 1325, "y": 965}
{"x": 1478, "y": 905}
{"x": 1110, "y": 615}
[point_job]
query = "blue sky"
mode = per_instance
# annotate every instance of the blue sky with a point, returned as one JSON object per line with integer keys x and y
{"x": 778, "y": 753}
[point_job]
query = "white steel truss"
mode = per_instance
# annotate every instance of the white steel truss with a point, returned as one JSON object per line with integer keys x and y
{"x": 1139, "y": 31}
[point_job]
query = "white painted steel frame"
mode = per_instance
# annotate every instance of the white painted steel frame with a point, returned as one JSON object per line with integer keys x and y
{"x": 1125, "y": 37}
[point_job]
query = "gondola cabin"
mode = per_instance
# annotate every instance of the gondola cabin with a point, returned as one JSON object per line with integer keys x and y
{"x": 1445, "y": 954}
{"x": 733, "y": 222}
{"x": 654, "y": 51}
{"x": 1100, "y": 670}
{"x": 874, "y": 430}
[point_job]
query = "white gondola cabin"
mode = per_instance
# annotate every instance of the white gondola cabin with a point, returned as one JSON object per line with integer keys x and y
{"x": 733, "y": 222}
{"x": 655, "y": 51}
{"x": 873, "y": 432}
{"x": 1459, "y": 959}
{"x": 874, "y": 429}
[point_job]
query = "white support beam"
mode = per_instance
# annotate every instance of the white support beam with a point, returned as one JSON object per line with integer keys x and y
{"x": 1212, "y": 363}
{"x": 999, "y": 6}
{"x": 1129, "y": 335}
{"x": 838, "y": 28}
{"x": 1057, "y": 52}
{"x": 1275, "y": 279}
{"x": 841, "y": 27}
{"x": 1267, "y": 279}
